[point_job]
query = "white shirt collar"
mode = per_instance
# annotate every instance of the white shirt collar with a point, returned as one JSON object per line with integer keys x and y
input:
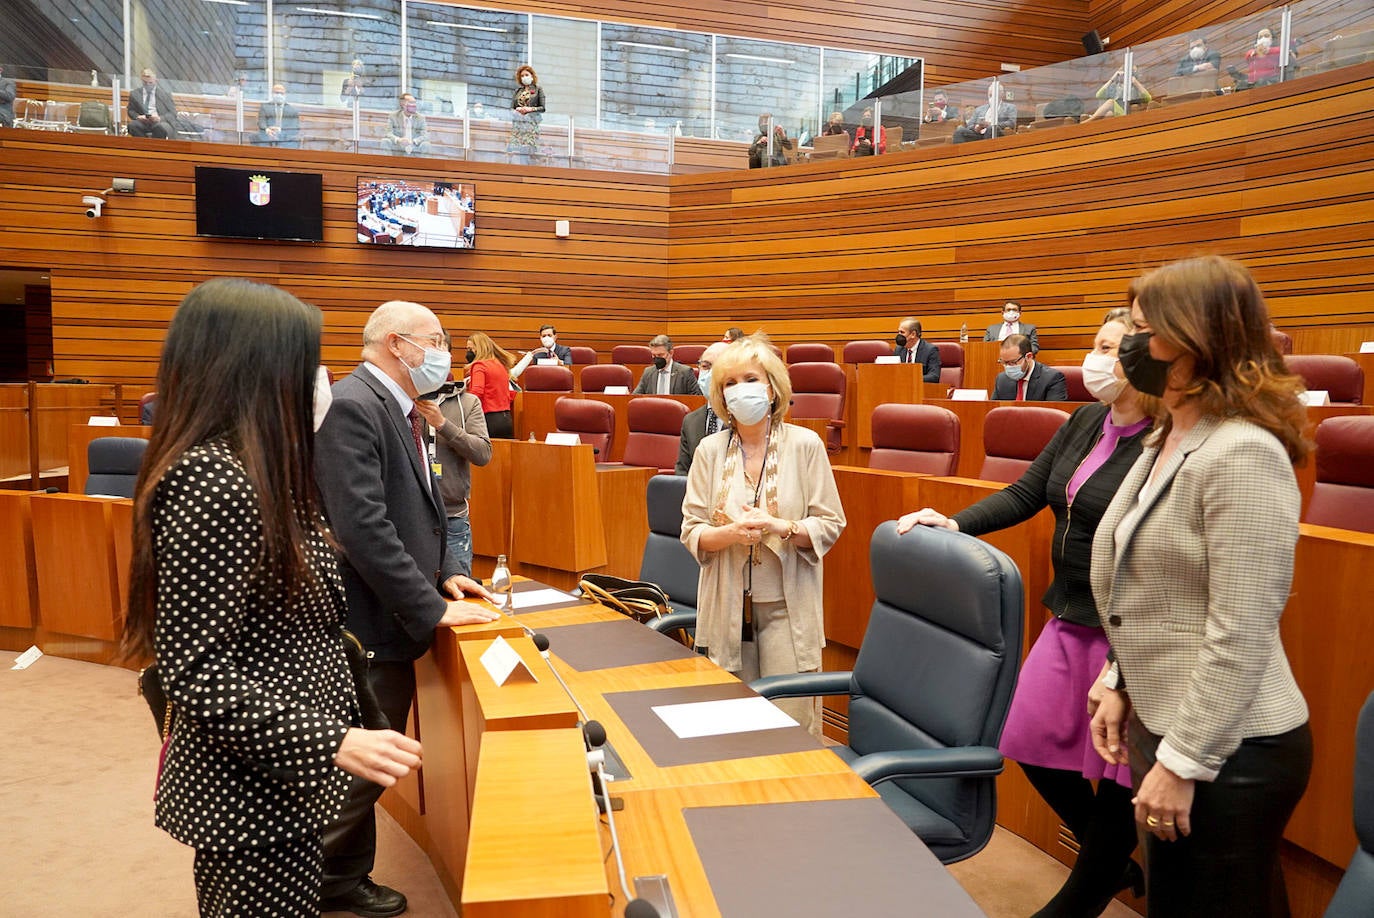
{"x": 406, "y": 401}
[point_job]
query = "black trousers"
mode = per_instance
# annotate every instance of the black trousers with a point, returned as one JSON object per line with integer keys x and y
{"x": 500, "y": 425}
{"x": 350, "y": 844}
{"x": 1229, "y": 865}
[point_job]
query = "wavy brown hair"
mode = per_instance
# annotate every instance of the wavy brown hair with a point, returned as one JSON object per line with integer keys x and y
{"x": 485, "y": 349}
{"x": 1211, "y": 309}
{"x": 526, "y": 68}
{"x": 238, "y": 367}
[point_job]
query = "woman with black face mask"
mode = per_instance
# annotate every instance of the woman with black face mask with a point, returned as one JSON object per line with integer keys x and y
{"x": 488, "y": 378}
{"x": 1192, "y": 565}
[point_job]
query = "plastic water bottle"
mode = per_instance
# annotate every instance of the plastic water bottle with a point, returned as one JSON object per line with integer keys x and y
{"x": 963, "y": 333}
{"x": 500, "y": 583}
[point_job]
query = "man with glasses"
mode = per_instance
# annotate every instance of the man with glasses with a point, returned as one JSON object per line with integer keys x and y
{"x": 1024, "y": 380}
{"x": 702, "y": 422}
{"x": 152, "y": 110}
{"x": 375, "y": 474}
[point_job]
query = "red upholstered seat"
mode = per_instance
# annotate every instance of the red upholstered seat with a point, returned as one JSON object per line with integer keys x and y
{"x": 867, "y": 351}
{"x": 655, "y": 432}
{"x": 951, "y": 363}
{"x": 688, "y": 353}
{"x": 1013, "y": 436}
{"x": 583, "y": 355}
{"x": 818, "y": 392}
{"x": 1073, "y": 375}
{"x": 915, "y": 438}
{"x": 597, "y": 377}
{"x": 1344, "y": 493}
{"x": 592, "y": 421}
{"x": 811, "y": 352}
{"x": 631, "y": 353}
{"x": 1340, "y": 376}
{"x": 547, "y": 379}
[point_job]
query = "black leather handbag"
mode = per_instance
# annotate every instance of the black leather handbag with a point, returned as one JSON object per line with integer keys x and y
{"x": 639, "y": 599}
{"x": 164, "y": 714}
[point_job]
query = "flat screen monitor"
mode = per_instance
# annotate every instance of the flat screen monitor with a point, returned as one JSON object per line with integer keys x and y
{"x": 259, "y": 204}
{"x": 435, "y": 215}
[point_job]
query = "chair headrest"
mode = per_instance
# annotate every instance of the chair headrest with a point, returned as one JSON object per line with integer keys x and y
{"x": 584, "y": 415}
{"x": 688, "y": 353}
{"x": 1340, "y": 376}
{"x": 814, "y": 377}
{"x": 951, "y": 353}
{"x": 548, "y": 379}
{"x": 812, "y": 352}
{"x": 1345, "y": 450}
{"x": 1073, "y": 378}
{"x": 583, "y": 355}
{"x": 631, "y": 353}
{"x": 1020, "y": 432}
{"x": 656, "y": 415}
{"x": 866, "y": 351}
{"x": 597, "y": 378}
{"x": 665, "y": 496}
{"x": 915, "y": 427}
{"x": 115, "y": 455}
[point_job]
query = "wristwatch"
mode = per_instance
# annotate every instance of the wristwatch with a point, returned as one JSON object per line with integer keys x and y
{"x": 792, "y": 528}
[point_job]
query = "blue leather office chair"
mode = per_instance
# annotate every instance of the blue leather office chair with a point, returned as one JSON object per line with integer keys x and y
{"x": 931, "y": 686}
{"x": 666, "y": 561}
{"x": 1355, "y": 896}
{"x": 113, "y": 465}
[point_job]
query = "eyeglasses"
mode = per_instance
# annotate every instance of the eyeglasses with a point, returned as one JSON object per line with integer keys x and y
{"x": 434, "y": 341}
{"x": 1012, "y": 363}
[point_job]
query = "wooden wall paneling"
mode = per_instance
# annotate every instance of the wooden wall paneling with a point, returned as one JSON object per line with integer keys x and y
{"x": 1131, "y": 22}
{"x": 1278, "y": 177}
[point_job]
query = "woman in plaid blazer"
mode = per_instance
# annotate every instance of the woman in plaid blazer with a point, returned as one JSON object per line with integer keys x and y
{"x": 1192, "y": 564}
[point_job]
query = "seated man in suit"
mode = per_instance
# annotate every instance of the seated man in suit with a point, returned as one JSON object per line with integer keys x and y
{"x": 406, "y": 132}
{"x": 1024, "y": 380}
{"x": 1011, "y": 324}
{"x": 152, "y": 110}
{"x": 912, "y": 348}
{"x": 1199, "y": 59}
{"x": 702, "y": 422}
{"x": 549, "y": 349}
{"x": 279, "y": 124}
{"x": 666, "y": 377}
{"x": 980, "y": 126}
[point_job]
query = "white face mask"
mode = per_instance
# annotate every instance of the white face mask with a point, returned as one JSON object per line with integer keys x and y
{"x": 1012, "y": 317}
{"x": 1197, "y": 53}
{"x": 324, "y": 396}
{"x": 433, "y": 369}
{"x": 1264, "y": 43}
{"x": 1100, "y": 379}
{"x": 547, "y": 341}
{"x": 748, "y": 402}
{"x": 704, "y": 380}
{"x": 527, "y": 79}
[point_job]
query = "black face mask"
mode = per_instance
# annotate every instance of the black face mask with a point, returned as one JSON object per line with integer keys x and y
{"x": 1147, "y": 374}
{"x": 901, "y": 340}
{"x": 660, "y": 362}
{"x": 471, "y": 356}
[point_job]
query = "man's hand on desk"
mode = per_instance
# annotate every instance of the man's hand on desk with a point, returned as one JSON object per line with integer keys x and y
{"x": 461, "y": 612}
{"x": 459, "y": 586}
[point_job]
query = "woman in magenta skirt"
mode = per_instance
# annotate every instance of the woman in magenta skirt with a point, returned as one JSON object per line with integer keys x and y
{"x": 1047, "y": 727}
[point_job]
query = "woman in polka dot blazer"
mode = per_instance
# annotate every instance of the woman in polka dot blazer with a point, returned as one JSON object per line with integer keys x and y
{"x": 236, "y": 594}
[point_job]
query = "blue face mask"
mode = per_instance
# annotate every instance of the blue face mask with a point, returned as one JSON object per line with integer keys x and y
{"x": 748, "y": 402}
{"x": 704, "y": 380}
{"x": 1015, "y": 372}
{"x": 433, "y": 369}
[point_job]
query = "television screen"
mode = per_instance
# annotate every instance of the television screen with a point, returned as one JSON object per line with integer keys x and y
{"x": 259, "y": 204}
{"x": 439, "y": 215}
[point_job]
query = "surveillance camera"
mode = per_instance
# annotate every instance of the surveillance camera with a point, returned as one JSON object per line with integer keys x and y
{"x": 93, "y": 205}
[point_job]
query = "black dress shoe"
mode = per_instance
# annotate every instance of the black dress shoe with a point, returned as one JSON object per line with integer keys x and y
{"x": 367, "y": 899}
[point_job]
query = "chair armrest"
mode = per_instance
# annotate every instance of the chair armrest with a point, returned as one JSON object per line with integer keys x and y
{"x": 958, "y": 762}
{"x": 802, "y": 685}
{"x": 672, "y": 621}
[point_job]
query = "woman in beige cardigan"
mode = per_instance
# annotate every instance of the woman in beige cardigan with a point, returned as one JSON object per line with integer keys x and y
{"x": 760, "y": 513}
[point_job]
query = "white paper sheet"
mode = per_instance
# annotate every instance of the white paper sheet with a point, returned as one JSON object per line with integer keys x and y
{"x": 530, "y": 598}
{"x": 717, "y": 718}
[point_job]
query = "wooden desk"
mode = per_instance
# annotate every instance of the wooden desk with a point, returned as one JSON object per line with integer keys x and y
{"x": 79, "y": 438}
{"x": 534, "y": 415}
{"x": 14, "y": 433}
{"x": 74, "y": 558}
{"x": 18, "y": 578}
{"x": 489, "y": 502}
{"x": 981, "y": 364}
{"x": 883, "y": 383}
{"x": 623, "y": 492}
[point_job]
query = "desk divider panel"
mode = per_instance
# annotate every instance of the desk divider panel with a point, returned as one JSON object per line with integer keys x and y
{"x": 556, "y": 519}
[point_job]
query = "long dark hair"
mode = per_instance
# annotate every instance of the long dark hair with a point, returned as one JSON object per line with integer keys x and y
{"x": 1212, "y": 309}
{"x": 238, "y": 367}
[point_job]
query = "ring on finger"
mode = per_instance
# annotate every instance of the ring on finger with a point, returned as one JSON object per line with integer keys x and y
{"x": 1152, "y": 821}
{"x": 1168, "y": 823}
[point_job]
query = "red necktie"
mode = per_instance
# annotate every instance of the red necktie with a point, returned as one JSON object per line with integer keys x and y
{"x": 417, "y": 427}
{"x": 1021, "y": 390}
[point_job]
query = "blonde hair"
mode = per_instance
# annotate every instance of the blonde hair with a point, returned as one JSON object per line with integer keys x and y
{"x": 1212, "y": 310}
{"x": 738, "y": 354}
{"x": 483, "y": 348}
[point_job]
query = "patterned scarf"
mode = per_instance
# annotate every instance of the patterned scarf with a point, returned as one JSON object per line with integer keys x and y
{"x": 733, "y": 452}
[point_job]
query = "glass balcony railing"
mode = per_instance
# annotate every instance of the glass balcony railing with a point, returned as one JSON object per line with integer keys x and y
{"x": 328, "y": 76}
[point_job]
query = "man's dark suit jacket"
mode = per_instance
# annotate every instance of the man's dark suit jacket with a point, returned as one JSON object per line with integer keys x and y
{"x": 693, "y": 431}
{"x": 386, "y": 512}
{"x": 927, "y": 355}
{"x": 994, "y": 334}
{"x": 290, "y": 123}
{"x": 683, "y": 381}
{"x": 1046, "y": 384}
{"x": 562, "y": 352}
{"x": 166, "y": 106}
{"x": 7, "y": 102}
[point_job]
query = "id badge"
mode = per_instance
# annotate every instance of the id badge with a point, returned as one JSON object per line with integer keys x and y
{"x": 746, "y": 629}
{"x": 437, "y": 469}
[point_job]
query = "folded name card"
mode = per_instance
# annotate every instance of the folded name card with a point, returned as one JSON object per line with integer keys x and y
{"x": 99, "y": 420}
{"x": 969, "y": 395}
{"x": 616, "y": 390}
{"x": 886, "y": 358}
{"x": 560, "y": 438}
{"x": 1314, "y": 397}
{"x": 502, "y": 662}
